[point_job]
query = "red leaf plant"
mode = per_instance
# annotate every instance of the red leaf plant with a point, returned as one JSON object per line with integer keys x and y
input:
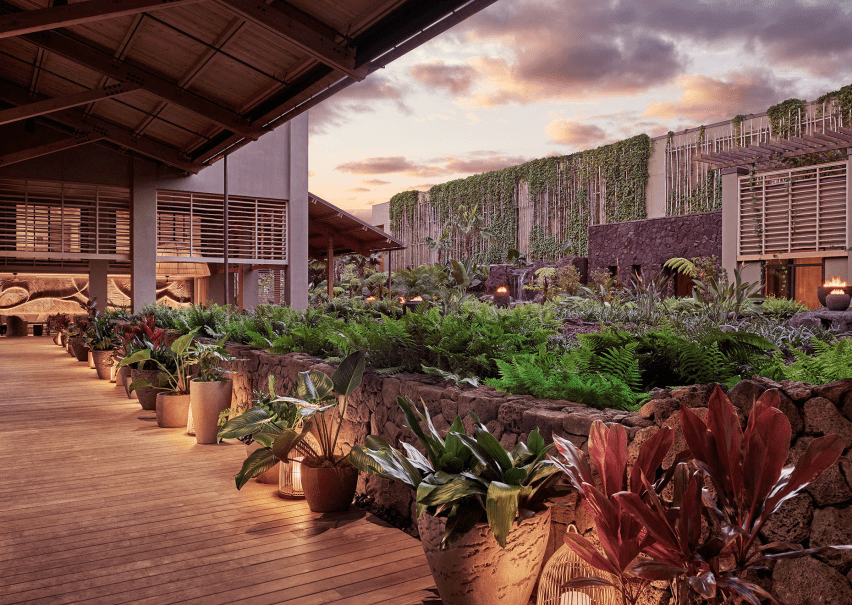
{"x": 703, "y": 541}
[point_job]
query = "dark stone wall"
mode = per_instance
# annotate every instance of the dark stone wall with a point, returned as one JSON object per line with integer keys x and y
{"x": 651, "y": 242}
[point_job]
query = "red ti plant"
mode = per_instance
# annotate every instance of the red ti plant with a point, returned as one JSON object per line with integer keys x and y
{"x": 746, "y": 471}
{"x": 622, "y": 537}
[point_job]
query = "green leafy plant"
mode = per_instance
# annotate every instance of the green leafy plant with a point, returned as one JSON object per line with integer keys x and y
{"x": 465, "y": 479}
{"x": 209, "y": 357}
{"x": 269, "y": 416}
{"x": 174, "y": 376}
{"x": 322, "y": 402}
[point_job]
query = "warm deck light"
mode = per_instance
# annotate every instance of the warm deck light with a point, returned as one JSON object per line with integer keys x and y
{"x": 502, "y": 290}
{"x": 290, "y": 478}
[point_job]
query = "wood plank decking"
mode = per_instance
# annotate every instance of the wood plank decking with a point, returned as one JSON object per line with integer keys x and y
{"x": 99, "y": 506}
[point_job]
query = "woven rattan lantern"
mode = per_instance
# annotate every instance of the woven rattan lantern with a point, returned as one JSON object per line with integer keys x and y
{"x": 564, "y": 566}
{"x": 290, "y": 478}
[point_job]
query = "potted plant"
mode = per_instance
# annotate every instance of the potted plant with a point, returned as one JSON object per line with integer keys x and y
{"x": 146, "y": 336}
{"x": 77, "y": 341}
{"x": 172, "y": 382}
{"x": 257, "y": 428}
{"x": 478, "y": 506}
{"x": 210, "y": 391}
{"x": 328, "y": 478}
{"x": 101, "y": 343}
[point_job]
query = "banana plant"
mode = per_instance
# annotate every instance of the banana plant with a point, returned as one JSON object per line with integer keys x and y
{"x": 174, "y": 374}
{"x": 268, "y": 417}
{"x": 322, "y": 403}
{"x": 466, "y": 479}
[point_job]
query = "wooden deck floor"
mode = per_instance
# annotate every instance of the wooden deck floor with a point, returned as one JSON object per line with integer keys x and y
{"x": 99, "y": 506}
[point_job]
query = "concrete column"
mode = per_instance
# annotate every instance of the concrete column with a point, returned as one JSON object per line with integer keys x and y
{"x": 143, "y": 240}
{"x": 249, "y": 288}
{"x": 730, "y": 217}
{"x": 99, "y": 282}
{"x": 848, "y": 277}
{"x": 297, "y": 215}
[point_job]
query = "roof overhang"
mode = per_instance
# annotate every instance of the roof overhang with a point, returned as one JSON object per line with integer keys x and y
{"x": 329, "y": 225}
{"x": 183, "y": 82}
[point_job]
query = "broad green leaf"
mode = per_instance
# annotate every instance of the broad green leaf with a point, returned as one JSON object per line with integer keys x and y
{"x": 286, "y": 442}
{"x": 139, "y": 383}
{"x": 460, "y": 521}
{"x": 245, "y": 424}
{"x": 255, "y": 465}
{"x": 455, "y": 489}
{"x": 433, "y": 448}
{"x": 489, "y": 443}
{"x": 452, "y": 444}
{"x": 140, "y": 355}
{"x": 535, "y": 442}
{"x": 182, "y": 344}
{"x": 385, "y": 463}
{"x": 420, "y": 461}
{"x": 501, "y": 506}
{"x": 349, "y": 373}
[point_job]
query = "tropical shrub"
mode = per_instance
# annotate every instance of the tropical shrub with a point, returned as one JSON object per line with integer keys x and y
{"x": 465, "y": 479}
{"x": 646, "y": 537}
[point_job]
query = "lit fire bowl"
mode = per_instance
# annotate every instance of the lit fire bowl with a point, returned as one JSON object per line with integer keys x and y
{"x": 824, "y": 291}
{"x": 837, "y": 300}
{"x": 501, "y": 297}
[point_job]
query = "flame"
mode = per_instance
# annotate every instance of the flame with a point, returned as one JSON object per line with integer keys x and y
{"x": 502, "y": 290}
{"x": 371, "y": 299}
{"x": 834, "y": 283}
{"x": 402, "y": 300}
{"x": 838, "y": 291}
{"x": 417, "y": 299}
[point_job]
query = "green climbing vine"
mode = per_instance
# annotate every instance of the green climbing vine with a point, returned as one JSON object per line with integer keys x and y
{"x": 839, "y": 101}
{"x": 617, "y": 174}
{"x": 737, "y": 122}
{"x": 784, "y": 117}
{"x": 402, "y": 205}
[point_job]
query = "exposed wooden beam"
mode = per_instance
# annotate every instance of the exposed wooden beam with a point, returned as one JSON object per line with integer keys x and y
{"x": 148, "y": 79}
{"x": 48, "y": 148}
{"x": 55, "y": 104}
{"x": 98, "y": 127}
{"x": 78, "y": 13}
{"x": 291, "y": 24}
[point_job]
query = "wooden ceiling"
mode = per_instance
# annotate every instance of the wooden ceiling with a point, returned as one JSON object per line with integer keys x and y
{"x": 184, "y": 81}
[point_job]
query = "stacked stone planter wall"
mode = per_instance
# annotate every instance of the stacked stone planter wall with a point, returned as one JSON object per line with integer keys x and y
{"x": 821, "y": 515}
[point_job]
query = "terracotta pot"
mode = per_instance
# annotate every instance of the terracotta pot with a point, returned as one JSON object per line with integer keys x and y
{"x": 91, "y": 359}
{"x": 270, "y": 476}
{"x": 208, "y": 399}
{"x": 148, "y": 395}
{"x": 476, "y": 571}
{"x": 329, "y": 489}
{"x": 81, "y": 351}
{"x": 837, "y": 302}
{"x": 172, "y": 410}
{"x": 103, "y": 363}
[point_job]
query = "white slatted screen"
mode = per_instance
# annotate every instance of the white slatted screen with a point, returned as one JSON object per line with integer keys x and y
{"x": 793, "y": 211}
{"x": 71, "y": 221}
{"x": 193, "y": 224}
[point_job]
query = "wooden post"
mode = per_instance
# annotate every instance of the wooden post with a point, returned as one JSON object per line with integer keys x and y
{"x": 227, "y": 273}
{"x": 390, "y": 274}
{"x": 329, "y": 270}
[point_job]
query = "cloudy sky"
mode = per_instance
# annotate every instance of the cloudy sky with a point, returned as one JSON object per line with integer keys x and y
{"x": 529, "y": 78}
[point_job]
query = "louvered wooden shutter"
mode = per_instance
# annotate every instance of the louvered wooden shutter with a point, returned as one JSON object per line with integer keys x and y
{"x": 793, "y": 211}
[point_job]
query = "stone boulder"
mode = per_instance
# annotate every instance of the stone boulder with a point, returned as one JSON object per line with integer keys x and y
{"x": 840, "y": 321}
{"x": 823, "y": 418}
{"x": 792, "y": 522}
{"x": 807, "y": 581}
{"x": 833, "y": 527}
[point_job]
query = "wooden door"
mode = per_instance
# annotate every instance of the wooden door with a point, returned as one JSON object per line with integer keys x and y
{"x": 807, "y": 277}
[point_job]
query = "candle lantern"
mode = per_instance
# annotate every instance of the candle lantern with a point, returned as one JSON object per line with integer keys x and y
{"x": 565, "y": 566}
{"x": 290, "y": 478}
{"x": 501, "y": 297}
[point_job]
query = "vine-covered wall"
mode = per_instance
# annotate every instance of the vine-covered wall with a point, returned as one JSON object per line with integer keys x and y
{"x": 693, "y": 186}
{"x": 543, "y": 207}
